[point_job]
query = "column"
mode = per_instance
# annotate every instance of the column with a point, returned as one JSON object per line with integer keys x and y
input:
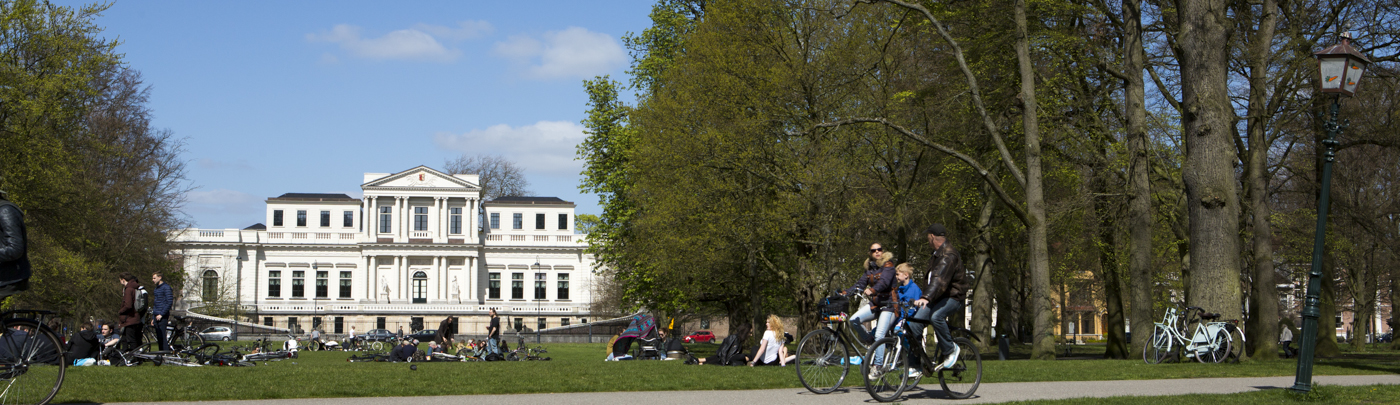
{"x": 365, "y": 215}
{"x": 371, "y": 275}
{"x": 441, "y": 220}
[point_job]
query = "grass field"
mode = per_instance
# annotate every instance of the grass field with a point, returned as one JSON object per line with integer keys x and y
{"x": 579, "y": 368}
{"x": 1375, "y": 394}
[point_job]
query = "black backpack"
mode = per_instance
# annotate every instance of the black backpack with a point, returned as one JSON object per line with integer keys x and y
{"x": 728, "y": 351}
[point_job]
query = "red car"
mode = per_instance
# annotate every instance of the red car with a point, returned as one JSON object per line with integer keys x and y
{"x": 699, "y": 336}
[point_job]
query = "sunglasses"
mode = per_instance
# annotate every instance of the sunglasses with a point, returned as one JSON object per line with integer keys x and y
{"x": 877, "y": 250}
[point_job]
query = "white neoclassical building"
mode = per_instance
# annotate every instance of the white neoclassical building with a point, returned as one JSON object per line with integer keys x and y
{"x": 406, "y": 255}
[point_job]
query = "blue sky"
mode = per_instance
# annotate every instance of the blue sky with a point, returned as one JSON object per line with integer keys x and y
{"x": 306, "y": 96}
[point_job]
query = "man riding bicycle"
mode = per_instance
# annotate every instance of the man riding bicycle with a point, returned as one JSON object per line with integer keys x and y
{"x": 947, "y": 288}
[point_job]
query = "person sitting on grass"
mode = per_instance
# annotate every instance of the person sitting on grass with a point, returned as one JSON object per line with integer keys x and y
{"x": 404, "y": 351}
{"x": 109, "y": 340}
{"x": 772, "y": 349}
{"x": 83, "y": 347}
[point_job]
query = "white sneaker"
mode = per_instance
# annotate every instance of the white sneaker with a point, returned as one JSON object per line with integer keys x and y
{"x": 875, "y": 373}
{"x": 952, "y": 358}
{"x": 915, "y": 374}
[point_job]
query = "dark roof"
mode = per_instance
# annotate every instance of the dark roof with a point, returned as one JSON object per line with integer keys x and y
{"x": 313, "y": 197}
{"x": 529, "y": 200}
{"x": 256, "y": 227}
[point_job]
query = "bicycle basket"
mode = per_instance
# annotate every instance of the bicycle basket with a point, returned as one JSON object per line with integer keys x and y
{"x": 834, "y": 305}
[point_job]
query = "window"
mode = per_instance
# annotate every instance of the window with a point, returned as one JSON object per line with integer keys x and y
{"x": 274, "y": 283}
{"x": 379, "y": 322}
{"x": 325, "y": 223}
{"x": 540, "y": 324}
{"x": 322, "y": 284}
{"x": 420, "y": 287}
{"x": 293, "y": 324}
{"x": 493, "y": 289}
{"x": 386, "y": 218}
{"x": 495, "y": 220}
{"x": 316, "y": 323}
{"x": 345, "y": 284}
{"x": 517, "y": 285}
{"x": 276, "y": 217}
{"x": 539, "y": 286}
{"x": 562, "y": 322}
{"x": 563, "y": 286}
{"x": 519, "y": 221}
{"x": 298, "y": 284}
{"x": 339, "y": 324}
{"x": 519, "y": 323}
{"x": 563, "y": 221}
{"x": 454, "y": 223}
{"x": 301, "y": 217}
{"x": 420, "y": 218}
{"x": 539, "y": 221}
{"x": 267, "y": 320}
{"x": 349, "y": 220}
{"x": 211, "y": 286}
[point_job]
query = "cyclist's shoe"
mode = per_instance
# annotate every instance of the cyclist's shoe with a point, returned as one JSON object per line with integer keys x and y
{"x": 875, "y": 372}
{"x": 952, "y": 358}
{"x": 915, "y": 374}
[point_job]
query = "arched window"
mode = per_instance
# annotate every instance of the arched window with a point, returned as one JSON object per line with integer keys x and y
{"x": 211, "y": 286}
{"x": 420, "y": 287}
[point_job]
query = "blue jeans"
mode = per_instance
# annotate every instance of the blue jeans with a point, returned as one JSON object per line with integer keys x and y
{"x": 491, "y": 346}
{"x": 937, "y": 313}
{"x": 882, "y": 326}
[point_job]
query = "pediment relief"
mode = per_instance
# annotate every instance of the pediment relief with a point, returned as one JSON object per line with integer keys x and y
{"x": 420, "y": 177}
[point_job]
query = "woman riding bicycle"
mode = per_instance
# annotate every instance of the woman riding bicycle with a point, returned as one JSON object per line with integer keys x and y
{"x": 947, "y": 288}
{"x": 878, "y": 285}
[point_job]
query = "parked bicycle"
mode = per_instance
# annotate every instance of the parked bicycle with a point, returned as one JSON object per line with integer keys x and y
{"x": 1211, "y": 341}
{"x": 31, "y": 358}
{"x": 180, "y": 334}
{"x": 824, "y": 355}
{"x": 895, "y": 351}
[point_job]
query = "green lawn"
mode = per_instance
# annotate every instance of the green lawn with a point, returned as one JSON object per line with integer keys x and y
{"x": 579, "y": 368}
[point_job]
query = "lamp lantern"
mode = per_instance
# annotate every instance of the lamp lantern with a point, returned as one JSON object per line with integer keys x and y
{"x": 1341, "y": 67}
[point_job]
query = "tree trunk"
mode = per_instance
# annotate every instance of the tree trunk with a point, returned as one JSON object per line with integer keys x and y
{"x": 1394, "y": 313}
{"x": 1039, "y": 257}
{"x": 1262, "y": 325}
{"x": 1208, "y": 171}
{"x": 982, "y": 290}
{"x": 1117, "y": 346}
{"x": 1140, "y": 205}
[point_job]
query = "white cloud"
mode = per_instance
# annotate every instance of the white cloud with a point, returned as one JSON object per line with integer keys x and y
{"x": 465, "y": 30}
{"x": 573, "y": 52}
{"x": 409, "y": 44}
{"x": 546, "y": 147}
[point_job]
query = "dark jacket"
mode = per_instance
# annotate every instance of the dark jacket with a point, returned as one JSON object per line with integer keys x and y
{"x": 946, "y": 277}
{"x": 879, "y": 277}
{"x": 84, "y": 345}
{"x": 126, "y": 315}
{"x": 163, "y": 298}
{"x": 14, "y": 255}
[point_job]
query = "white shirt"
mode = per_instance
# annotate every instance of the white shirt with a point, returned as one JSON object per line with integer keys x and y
{"x": 770, "y": 352}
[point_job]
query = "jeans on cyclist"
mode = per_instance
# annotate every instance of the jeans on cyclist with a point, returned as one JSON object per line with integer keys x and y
{"x": 937, "y": 313}
{"x": 862, "y": 316}
{"x": 882, "y": 328}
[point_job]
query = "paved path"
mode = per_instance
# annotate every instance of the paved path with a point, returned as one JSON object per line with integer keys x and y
{"x": 988, "y": 393}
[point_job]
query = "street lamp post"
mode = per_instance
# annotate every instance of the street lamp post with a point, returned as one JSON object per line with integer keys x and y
{"x": 1341, "y": 68}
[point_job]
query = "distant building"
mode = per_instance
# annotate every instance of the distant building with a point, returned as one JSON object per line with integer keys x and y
{"x": 407, "y": 254}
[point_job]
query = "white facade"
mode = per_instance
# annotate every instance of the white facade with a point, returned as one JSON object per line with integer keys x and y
{"x": 408, "y": 249}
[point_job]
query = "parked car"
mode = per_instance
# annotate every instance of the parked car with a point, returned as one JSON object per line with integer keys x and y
{"x": 425, "y": 335}
{"x": 1386, "y": 338}
{"x": 217, "y": 333}
{"x": 699, "y": 336}
{"x": 378, "y": 335}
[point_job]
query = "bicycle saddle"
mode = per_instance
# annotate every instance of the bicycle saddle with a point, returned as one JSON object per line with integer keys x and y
{"x": 1206, "y": 316}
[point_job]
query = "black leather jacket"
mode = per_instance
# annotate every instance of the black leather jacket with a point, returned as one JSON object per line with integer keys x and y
{"x": 946, "y": 276}
{"x": 14, "y": 255}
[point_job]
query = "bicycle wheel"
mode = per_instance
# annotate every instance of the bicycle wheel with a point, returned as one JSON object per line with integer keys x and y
{"x": 1158, "y": 347}
{"x": 962, "y": 379}
{"x": 376, "y": 346}
{"x": 191, "y": 341}
{"x": 31, "y": 363}
{"x": 890, "y": 374}
{"x": 822, "y": 361}
{"x": 1219, "y": 349}
{"x": 148, "y": 340}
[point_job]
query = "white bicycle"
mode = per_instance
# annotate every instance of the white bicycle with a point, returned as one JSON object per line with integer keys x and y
{"x": 1211, "y": 342}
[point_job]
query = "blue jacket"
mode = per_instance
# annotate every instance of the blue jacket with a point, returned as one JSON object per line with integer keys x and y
{"x": 163, "y": 298}
{"x": 910, "y": 292}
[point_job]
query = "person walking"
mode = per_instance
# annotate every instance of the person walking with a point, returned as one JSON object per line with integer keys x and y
{"x": 493, "y": 334}
{"x": 127, "y": 318}
{"x": 446, "y": 330}
{"x": 14, "y": 252}
{"x": 947, "y": 288}
{"x": 163, "y": 298}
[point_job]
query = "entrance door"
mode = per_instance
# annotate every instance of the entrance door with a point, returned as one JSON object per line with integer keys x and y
{"x": 420, "y": 288}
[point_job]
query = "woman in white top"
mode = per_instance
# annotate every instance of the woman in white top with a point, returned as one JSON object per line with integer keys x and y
{"x": 772, "y": 350}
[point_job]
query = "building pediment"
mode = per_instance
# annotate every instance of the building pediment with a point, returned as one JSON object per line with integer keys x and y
{"x": 421, "y": 177}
